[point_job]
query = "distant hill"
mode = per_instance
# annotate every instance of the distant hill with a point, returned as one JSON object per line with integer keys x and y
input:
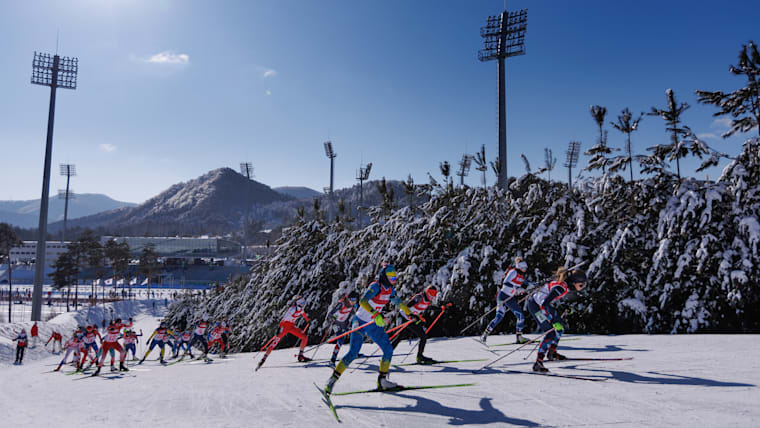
{"x": 26, "y": 214}
{"x": 213, "y": 203}
{"x": 298, "y": 192}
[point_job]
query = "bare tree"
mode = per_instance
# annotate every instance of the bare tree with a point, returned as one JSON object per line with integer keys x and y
{"x": 482, "y": 164}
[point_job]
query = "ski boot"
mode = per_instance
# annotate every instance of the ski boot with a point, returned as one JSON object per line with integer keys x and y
{"x": 122, "y": 367}
{"x": 57, "y": 369}
{"x": 162, "y": 361}
{"x": 553, "y": 355}
{"x": 330, "y": 383}
{"x": 538, "y": 366}
{"x": 383, "y": 384}
{"x": 302, "y": 358}
{"x": 520, "y": 339}
{"x": 484, "y": 337}
{"x": 97, "y": 371}
{"x": 421, "y": 359}
{"x": 332, "y": 363}
{"x": 113, "y": 369}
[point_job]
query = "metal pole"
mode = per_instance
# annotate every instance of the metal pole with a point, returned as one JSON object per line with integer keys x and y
{"x": 501, "y": 70}
{"x": 332, "y": 160}
{"x": 66, "y": 204}
{"x": 39, "y": 263}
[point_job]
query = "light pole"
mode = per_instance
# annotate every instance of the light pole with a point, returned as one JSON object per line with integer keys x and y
{"x": 246, "y": 169}
{"x": 362, "y": 175}
{"x": 330, "y": 154}
{"x": 55, "y": 72}
{"x": 573, "y": 148}
{"x": 67, "y": 170}
{"x": 504, "y": 36}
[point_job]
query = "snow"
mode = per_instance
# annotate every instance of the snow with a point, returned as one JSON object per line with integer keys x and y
{"x": 673, "y": 380}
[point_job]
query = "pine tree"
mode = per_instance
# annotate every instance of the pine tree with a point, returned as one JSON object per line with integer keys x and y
{"x": 627, "y": 125}
{"x": 8, "y": 240}
{"x": 672, "y": 117}
{"x": 481, "y": 162}
{"x": 549, "y": 162}
{"x": 742, "y": 104}
{"x": 599, "y": 151}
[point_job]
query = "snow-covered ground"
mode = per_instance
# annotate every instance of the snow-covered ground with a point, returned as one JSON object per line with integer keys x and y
{"x": 685, "y": 380}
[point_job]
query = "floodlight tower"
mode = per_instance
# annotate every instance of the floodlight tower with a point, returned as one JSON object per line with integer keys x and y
{"x": 572, "y": 159}
{"x": 53, "y": 71}
{"x": 330, "y": 154}
{"x": 246, "y": 169}
{"x": 504, "y": 36}
{"x": 362, "y": 175}
{"x": 464, "y": 168}
{"x": 67, "y": 170}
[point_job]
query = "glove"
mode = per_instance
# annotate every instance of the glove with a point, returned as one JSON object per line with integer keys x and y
{"x": 379, "y": 320}
{"x": 558, "y": 327}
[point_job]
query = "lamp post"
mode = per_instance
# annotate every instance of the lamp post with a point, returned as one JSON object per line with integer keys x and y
{"x": 246, "y": 169}
{"x": 504, "y": 36}
{"x": 573, "y": 148}
{"x": 53, "y": 71}
{"x": 67, "y": 170}
{"x": 362, "y": 175}
{"x": 330, "y": 154}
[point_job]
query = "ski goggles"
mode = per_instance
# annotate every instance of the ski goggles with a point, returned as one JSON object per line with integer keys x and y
{"x": 391, "y": 276}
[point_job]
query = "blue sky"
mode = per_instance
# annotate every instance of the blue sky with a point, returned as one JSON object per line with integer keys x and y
{"x": 170, "y": 89}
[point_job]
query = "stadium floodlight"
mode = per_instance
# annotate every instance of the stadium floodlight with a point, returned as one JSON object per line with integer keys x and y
{"x": 330, "y": 154}
{"x": 246, "y": 169}
{"x": 68, "y": 171}
{"x": 504, "y": 37}
{"x": 464, "y": 168}
{"x": 573, "y": 149}
{"x": 362, "y": 175}
{"x": 55, "y": 72}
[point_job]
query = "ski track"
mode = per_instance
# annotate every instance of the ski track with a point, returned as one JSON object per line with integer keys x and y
{"x": 674, "y": 381}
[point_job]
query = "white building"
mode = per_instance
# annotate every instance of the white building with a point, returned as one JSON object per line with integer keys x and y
{"x": 27, "y": 252}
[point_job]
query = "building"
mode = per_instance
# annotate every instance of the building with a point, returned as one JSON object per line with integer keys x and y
{"x": 175, "y": 250}
{"x": 27, "y": 252}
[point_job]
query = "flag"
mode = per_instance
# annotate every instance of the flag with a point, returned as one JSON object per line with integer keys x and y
{"x": 109, "y": 281}
{"x": 145, "y": 282}
{"x": 120, "y": 282}
{"x": 133, "y": 281}
{"x": 96, "y": 282}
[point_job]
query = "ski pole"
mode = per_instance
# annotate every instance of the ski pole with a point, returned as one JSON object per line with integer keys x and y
{"x": 324, "y": 336}
{"x": 514, "y": 350}
{"x": 400, "y": 326}
{"x": 477, "y": 320}
{"x": 436, "y": 318}
{"x": 349, "y": 332}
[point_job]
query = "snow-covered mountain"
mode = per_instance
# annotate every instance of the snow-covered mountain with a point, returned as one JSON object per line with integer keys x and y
{"x": 212, "y": 203}
{"x": 298, "y": 192}
{"x": 26, "y": 214}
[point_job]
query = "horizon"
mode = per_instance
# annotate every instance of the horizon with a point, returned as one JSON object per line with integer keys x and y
{"x": 170, "y": 90}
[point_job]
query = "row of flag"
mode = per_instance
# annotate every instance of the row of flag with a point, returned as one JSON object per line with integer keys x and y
{"x": 109, "y": 281}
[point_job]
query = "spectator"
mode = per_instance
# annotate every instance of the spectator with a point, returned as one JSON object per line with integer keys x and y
{"x": 35, "y": 335}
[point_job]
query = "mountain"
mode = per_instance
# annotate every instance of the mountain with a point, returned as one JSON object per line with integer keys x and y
{"x": 213, "y": 203}
{"x": 298, "y": 192}
{"x": 26, "y": 214}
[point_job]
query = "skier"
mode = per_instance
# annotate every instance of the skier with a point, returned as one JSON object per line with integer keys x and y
{"x": 225, "y": 333}
{"x": 379, "y": 294}
{"x": 183, "y": 341}
{"x": 111, "y": 341}
{"x": 511, "y": 286}
{"x": 56, "y": 338}
{"x": 20, "y": 346}
{"x": 35, "y": 335}
{"x": 417, "y": 305}
{"x": 72, "y": 345}
{"x": 199, "y": 335}
{"x": 539, "y": 305}
{"x": 341, "y": 314}
{"x": 215, "y": 338}
{"x": 91, "y": 333}
{"x": 159, "y": 338}
{"x": 288, "y": 326}
{"x": 130, "y": 341}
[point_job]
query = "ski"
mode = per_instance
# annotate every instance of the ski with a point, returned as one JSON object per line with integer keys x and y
{"x": 404, "y": 388}
{"x": 513, "y": 343}
{"x": 326, "y": 399}
{"x": 588, "y": 359}
{"x": 441, "y": 362}
{"x": 552, "y": 374}
{"x": 485, "y": 347}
